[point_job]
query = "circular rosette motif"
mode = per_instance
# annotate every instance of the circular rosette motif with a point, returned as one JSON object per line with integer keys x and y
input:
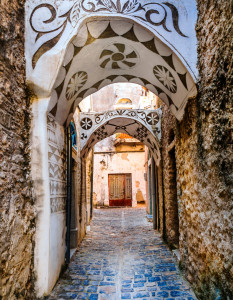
{"x": 86, "y": 123}
{"x": 83, "y": 136}
{"x": 165, "y": 77}
{"x": 118, "y": 56}
{"x": 152, "y": 118}
{"x": 77, "y": 81}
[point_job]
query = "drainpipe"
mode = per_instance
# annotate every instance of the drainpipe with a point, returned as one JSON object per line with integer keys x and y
{"x": 154, "y": 203}
{"x": 69, "y": 193}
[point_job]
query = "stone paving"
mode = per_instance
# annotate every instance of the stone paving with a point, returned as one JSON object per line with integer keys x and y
{"x": 122, "y": 257}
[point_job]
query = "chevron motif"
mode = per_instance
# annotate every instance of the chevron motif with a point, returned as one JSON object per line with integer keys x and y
{"x": 57, "y": 170}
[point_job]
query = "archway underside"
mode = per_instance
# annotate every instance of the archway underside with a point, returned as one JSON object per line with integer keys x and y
{"x": 144, "y": 125}
{"x": 106, "y": 52}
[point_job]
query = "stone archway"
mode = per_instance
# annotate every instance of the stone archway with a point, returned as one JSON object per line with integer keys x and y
{"x": 118, "y": 51}
{"x": 144, "y": 125}
{"x": 73, "y": 49}
{"x": 82, "y": 46}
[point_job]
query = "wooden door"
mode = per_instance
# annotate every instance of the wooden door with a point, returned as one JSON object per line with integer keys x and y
{"x": 120, "y": 190}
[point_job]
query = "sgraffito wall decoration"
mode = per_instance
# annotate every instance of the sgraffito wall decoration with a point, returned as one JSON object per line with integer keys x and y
{"x": 82, "y": 46}
{"x": 105, "y": 52}
{"x": 57, "y": 166}
{"x": 144, "y": 125}
{"x": 162, "y": 16}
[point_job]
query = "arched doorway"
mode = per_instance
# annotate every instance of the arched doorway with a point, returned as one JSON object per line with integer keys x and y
{"x": 144, "y": 125}
{"x": 81, "y": 47}
{"x": 118, "y": 51}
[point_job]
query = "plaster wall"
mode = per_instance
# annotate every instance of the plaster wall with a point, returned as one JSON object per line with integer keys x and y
{"x": 107, "y": 97}
{"x": 159, "y": 194}
{"x": 43, "y": 53}
{"x": 57, "y": 183}
{"x": 82, "y": 180}
{"x": 57, "y": 246}
{"x": 83, "y": 203}
{"x": 113, "y": 163}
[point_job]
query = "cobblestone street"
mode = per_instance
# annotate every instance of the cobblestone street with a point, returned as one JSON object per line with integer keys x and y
{"x": 122, "y": 257}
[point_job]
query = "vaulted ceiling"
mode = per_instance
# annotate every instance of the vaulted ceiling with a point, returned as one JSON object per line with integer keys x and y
{"x": 106, "y": 52}
{"x": 144, "y": 125}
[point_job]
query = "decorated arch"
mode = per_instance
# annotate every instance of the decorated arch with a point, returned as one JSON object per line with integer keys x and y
{"x": 73, "y": 48}
{"x": 82, "y": 46}
{"x": 144, "y": 125}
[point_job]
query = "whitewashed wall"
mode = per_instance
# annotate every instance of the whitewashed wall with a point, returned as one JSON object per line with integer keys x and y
{"x": 57, "y": 180}
{"x": 107, "y": 161}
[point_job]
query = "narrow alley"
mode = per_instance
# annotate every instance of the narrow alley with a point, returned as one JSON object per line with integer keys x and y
{"x": 122, "y": 257}
{"x": 116, "y": 142}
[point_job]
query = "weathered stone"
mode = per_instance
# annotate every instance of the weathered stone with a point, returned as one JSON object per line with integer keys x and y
{"x": 204, "y": 161}
{"x": 17, "y": 214}
{"x": 115, "y": 248}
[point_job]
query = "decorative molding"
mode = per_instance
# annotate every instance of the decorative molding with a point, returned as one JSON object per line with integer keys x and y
{"x": 143, "y": 125}
{"x": 143, "y": 115}
{"x": 77, "y": 81}
{"x": 57, "y": 165}
{"x": 118, "y": 60}
{"x": 166, "y": 78}
{"x": 57, "y": 204}
{"x": 153, "y": 13}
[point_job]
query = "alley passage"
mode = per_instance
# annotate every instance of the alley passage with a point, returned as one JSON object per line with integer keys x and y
{"x": 122, "y": 257}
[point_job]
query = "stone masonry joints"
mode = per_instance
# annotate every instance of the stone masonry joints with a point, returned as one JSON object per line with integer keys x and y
{"x": 122, "y": 257}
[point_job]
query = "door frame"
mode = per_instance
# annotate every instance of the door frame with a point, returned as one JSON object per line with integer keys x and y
{"x": 124, "y": 188}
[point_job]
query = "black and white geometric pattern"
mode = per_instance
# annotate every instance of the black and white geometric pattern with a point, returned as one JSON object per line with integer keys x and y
{"x": 118, "y": 59}
{"x": 101, "y": 134}
{"x": 144, "y": 125}
{"x": 86, "y": 123}
{"x": 142, "y": 133}
{"x": 57, "y": 168}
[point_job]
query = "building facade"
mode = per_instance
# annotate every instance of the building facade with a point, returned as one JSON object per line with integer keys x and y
{"x": 119, "y": 172}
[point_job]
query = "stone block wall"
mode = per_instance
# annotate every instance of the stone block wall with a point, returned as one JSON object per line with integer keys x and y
{"x": 75, "y": 217}
{"x": 171, "y": 230}
{"x": 204, "y": 160}
{"x": 89, "y": 162}
{"x": 17, "y": 215}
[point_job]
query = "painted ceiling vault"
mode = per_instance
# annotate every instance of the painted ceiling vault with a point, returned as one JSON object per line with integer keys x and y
{"x": 75, "y": 47}
{"x": 144, "y": 125}
{"x": 106, "y": 52}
